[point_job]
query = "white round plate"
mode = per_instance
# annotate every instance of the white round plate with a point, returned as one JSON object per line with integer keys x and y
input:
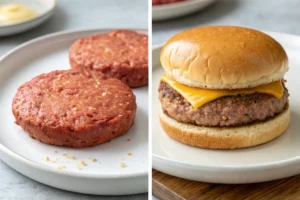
{"x": 277, "y": 159}
{"x": 44, "y": 8}
{"x": 24, "y": 154}
{"x": 178, "y": 9}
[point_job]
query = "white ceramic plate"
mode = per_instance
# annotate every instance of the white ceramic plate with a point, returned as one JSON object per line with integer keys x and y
{"x": 26, "y": 155}
{"x": 44, "y": 8}
{"x": 173, "y": 10}
{"x": 277, "y": 159}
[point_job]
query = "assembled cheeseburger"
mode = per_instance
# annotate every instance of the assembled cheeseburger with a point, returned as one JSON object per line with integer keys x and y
{"x": 223, "y": 87}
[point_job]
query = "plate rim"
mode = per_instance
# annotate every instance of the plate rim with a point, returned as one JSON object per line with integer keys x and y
{"x": 177, "y": 4}
{"x": 229, "y": 168}
{"x": 26, "y": 21}
{"x": 49, "y": 169}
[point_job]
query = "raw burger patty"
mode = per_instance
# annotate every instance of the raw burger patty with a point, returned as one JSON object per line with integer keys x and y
{"x": 225, "y": 111}
{"x": 74, "y": 108}
{"x": 122, "y": 54}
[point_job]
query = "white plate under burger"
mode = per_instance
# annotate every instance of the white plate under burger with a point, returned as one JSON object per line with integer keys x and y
{"x": 277, "y": 159}
{"x": 106, "y": 176}
{"x": 43, "y": 8}
{"x": 178, "y": 9}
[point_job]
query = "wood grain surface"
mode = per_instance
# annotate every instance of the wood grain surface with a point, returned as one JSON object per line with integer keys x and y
{"x": 166, "y": 187}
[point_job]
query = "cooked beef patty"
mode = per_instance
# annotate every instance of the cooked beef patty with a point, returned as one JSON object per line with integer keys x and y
{"x": 225, "y": 111}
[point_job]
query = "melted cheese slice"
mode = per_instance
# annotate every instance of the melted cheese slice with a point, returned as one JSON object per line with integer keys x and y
{"x": 199, "y": 96}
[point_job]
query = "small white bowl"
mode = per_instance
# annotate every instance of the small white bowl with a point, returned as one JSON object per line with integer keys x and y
{"x": 44, "y": 9}
{"x": 173, "y": 10}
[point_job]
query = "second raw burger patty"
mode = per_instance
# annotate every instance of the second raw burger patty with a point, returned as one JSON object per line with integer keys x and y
{"x": 122, "y": 54}
{"x": 74, "y": 108}
{"x": 225, "y": 111}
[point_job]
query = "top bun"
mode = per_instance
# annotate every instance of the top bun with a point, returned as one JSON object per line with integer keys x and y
{"x": 224, "y": 57}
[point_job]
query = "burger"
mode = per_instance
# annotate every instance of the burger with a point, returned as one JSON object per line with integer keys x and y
{"x": 223, "y": 88}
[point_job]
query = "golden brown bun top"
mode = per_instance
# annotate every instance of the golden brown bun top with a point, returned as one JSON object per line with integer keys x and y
{"x": 219, "y": 57}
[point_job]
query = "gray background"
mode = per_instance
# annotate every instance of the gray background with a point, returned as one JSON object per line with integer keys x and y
{"x": 270, "y": 15}
{"x": 70, "y": 14}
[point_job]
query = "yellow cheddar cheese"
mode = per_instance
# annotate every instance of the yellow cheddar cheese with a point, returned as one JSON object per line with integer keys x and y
{"x": 199, "y": 96}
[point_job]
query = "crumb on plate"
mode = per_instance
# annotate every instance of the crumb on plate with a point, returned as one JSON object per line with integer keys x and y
{"x": 46, "y": 159}
{"x": 123, "y": 165}
{"x": 61, "y": 167}
{"x": 78, "y": 166}
{"x": 69, "y": 156}
{"x": 81, "y": 163}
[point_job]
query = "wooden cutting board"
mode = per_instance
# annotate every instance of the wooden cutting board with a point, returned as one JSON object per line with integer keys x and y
{"x": 166, "y": 187}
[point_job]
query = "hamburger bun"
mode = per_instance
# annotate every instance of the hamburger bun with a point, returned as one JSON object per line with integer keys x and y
{"x": 227, "y": 137}
{"x": 224, "y": 57}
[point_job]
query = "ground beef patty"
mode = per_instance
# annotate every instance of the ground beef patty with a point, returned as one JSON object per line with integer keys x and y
{"x": 225, "y": 111}
{"x": 74, "y": 108}
{"x": 122, "y": 54}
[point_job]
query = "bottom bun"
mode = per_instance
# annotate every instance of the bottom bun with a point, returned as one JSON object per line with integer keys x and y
{"x": 227, "y": 137}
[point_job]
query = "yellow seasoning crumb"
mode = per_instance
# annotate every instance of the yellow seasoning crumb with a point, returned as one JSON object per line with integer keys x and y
{"x": 55, "y": 151}
{"x": 123, "y": 165}
{"x": 47, "y": 159}
{"x": 83, "y": 163}
{"x": 129, "y": 154}
{"x": 78, "y": 166}
{"x": 70, "y": 157}
{"x": 93, "y": 159}
{"x": 61, "y": 167}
